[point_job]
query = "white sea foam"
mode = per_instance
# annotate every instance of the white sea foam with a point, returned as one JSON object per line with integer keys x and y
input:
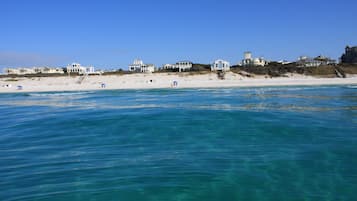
{"x": 352, "y": 86}
{"x": 60, "y": 94}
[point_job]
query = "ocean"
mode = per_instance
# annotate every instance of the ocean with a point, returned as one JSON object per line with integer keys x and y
{"x": 267, "y": 143}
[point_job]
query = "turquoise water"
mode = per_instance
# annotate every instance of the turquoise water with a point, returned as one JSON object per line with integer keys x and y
{"x": 282, "y": 143}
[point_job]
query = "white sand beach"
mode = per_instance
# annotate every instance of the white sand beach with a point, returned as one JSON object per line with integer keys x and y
{"x": 160, "y": 80}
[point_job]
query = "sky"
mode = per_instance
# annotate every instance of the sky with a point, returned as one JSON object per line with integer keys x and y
{"x": 110, "y": 34}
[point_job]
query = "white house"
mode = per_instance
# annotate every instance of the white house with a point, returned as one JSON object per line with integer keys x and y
{"x": 77, "y": 68}
{"x": 181, "y": 66}
{"x": 139, "y": 66}
{"x": 250, "y": 61}
{"x": 147, "y": 68}
{"x": 220, "y": 65}
{"x": 136, "y": 66}
{"x": 169, "y": 66}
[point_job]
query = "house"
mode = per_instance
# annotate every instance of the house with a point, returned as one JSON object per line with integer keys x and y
{"x": 220, "y": 65}
{"x": 181, "y": 66}
{"x": 250, "y": 61}
{"x": 147, "y": 68}
{"x": 75, "y": 68}
{"x": 81, "y": 70}
{"x": 325, "y": 60}
{"x": 305, "y": 61}
{"x": 139, "y": 66}
{"x": 136, "y": 66}
{"x": 350, "y": 55}
{"x": 184, "y": 65}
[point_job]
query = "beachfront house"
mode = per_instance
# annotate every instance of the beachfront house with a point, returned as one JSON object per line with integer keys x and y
{"x": 305, "y": 61}
{"x": 139, "y": 66}
{"x": 48, "y": 70}
{"x": 136, "y": 65}
{"x": 180, "y": 66}
{"x": 220, "y": 65}
{"x": 77, "y": 68}
{"x": 147, "y": 68}
{"x": 350, "y": 55}
{"x": 250, "y": 61}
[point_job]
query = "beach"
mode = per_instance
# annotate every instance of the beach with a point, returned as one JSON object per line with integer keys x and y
{"x": 159, "y": 81}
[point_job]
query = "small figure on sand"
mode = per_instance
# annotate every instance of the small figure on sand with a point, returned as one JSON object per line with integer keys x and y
{"x": 174, "y": 84}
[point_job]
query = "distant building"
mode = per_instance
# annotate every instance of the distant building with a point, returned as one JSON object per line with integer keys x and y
{"x": 48, "y": 70}
{"x": 147, "y": 68}
{"x": 139, "y": 66}
{"x": 33, "y": 70}
{"x": 181, "y": 66}
{"x": 284, "y": 62}
{"x": 136, "y": 66}
{"x": 220, "y": 65}
{"x": 77, "y": 68}
{"x": 304, "y": 61}
{"x": 250, "y": 61}
{"x": 350, "y": 55}
{"x": 169, "y": 66}
{"x": 325, "y": 60}
{"x": 18, "y": 71}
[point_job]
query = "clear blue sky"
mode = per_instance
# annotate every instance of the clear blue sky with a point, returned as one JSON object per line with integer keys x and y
{"x": 110, "y": 34}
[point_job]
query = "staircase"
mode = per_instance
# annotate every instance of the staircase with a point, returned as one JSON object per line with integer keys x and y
{"x": 339, "y": 72}
{"x": 82, "y": 78}
{"x": 220, "y": 75}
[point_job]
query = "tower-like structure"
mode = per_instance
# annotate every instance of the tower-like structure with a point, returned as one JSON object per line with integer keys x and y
{"x": 247, "y": 55}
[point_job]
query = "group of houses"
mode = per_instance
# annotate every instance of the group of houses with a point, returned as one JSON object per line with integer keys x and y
{"x": 222, "y": 65}
{"x": 138, "y": 66}
{"x": 181, "y": 66}
{"x": 74, "y": 68}
{"x": 34, "y": 70}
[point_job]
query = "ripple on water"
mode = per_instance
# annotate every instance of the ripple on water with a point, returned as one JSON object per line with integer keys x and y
{"x": 270, "y": 143}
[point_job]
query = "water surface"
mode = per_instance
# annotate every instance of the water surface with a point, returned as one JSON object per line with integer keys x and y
{"x": 280, "y": 143}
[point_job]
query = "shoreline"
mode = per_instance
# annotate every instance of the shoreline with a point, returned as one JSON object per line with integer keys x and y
{"x": 160, "y": 81}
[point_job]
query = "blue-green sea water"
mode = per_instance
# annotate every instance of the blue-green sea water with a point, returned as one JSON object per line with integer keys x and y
{"x": 269, "y": 144}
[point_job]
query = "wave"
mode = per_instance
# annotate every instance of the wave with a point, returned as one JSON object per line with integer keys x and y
{"x": 51, "y": 94}
{"x": 352, "y": 86}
